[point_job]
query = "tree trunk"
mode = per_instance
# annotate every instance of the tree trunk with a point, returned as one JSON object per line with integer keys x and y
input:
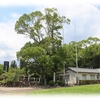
{"x": 45, "y": 81}
{"x": 54, "y": 77}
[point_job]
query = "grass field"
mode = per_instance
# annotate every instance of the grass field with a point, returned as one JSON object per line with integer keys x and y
{"x": 85, "y": 89}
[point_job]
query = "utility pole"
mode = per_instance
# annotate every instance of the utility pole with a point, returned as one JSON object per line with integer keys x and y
{"x": 63, "y": 62}
{"x": 77, "y": 80}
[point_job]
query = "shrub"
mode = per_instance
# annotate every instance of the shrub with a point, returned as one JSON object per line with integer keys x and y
{"x": 61, "y": 83}
{"x": 51, "y": 83}
{"x": 83, "y": 82}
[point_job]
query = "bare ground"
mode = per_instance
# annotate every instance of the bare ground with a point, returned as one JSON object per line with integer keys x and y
{"x": 17, "y": 90}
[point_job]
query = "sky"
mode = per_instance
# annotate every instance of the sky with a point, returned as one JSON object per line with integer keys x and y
{"x": 84, "y": 16}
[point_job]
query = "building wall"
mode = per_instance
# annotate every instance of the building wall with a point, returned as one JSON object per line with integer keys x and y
{"x": 71, "y": 77}
{"x": 88, "y": 76}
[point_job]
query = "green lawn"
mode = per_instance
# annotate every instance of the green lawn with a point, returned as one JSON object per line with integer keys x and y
{"x": 86, "y": 89}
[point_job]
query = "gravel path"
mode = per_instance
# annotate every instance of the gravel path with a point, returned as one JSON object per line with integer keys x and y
{"x": 17, "y": 90}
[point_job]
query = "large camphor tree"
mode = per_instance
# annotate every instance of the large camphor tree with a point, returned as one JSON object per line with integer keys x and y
{"x": 41, "y": 56}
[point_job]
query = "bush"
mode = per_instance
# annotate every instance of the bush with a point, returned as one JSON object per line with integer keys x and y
{"x": 83, "y": 82}
{"x": 61, "y": 83}
{"x": 51, "y": 83}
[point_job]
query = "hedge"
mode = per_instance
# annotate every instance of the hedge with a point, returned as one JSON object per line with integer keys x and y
{"x": 83, "y": 82}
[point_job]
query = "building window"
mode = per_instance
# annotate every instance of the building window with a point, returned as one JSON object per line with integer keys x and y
{"x": 84, "y": 77}
{"x": 92, "y": 77}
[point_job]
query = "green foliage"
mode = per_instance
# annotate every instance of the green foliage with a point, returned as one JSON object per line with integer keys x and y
{"x": 89, "y": 52}
{"x": 13, "y": 64}
{"x": 13, "y": 75}
{"x": 32, "y": 24}
{"x": 36, "y": 75}
{"x": 84, "y": 82}
{"x": 1, "y": 69}
{"x": 44, "y": 29}
{"x": 51, "y": 83}
{"x": 81, "y": 82}
{"x": 61, "y": 83}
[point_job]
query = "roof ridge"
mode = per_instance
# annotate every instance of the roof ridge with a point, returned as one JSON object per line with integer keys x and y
{"x": 84, "y": 70}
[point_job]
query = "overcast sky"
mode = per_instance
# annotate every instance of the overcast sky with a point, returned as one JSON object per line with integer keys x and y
{"x": 85, "y": 14}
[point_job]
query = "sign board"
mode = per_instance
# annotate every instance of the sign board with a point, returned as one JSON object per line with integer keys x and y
{"x": 6, "y": 66}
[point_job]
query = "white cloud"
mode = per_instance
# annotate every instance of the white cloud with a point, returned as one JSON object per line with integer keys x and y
{"x": 86, "y": 18}
{"x": 11, "y": 40}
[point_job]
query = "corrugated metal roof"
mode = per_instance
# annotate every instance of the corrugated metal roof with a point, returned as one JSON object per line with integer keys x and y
{"x": 86, "y": 70}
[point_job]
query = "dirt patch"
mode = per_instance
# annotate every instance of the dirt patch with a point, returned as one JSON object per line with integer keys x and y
{"x": 17, "y": 90}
